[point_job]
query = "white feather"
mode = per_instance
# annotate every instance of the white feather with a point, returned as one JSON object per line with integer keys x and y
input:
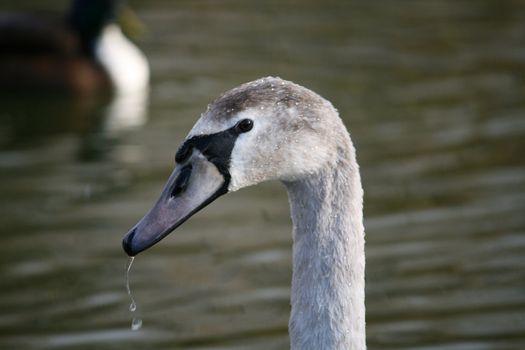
{"x": 124, "y": 62}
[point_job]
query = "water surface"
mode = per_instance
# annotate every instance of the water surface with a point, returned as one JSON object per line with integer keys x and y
{"x": 433, "y": 93}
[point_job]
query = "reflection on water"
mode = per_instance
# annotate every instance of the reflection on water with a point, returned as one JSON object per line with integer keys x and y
{"x": 432, "y": 93}
{"x": 96, "y": 121}
{"x": 126, "y": 111}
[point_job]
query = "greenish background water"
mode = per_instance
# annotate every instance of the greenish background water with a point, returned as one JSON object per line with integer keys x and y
{"x": 433, "y": 93}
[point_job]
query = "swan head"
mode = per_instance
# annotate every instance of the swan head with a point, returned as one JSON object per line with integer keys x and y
{"x": 268, "y": 129}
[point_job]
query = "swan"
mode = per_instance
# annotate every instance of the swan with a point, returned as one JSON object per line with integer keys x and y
{"x": 272, "y": 129}
{"x": 83, "y": 53}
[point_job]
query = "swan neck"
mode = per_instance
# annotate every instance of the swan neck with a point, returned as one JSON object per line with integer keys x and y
{"x": 328, "y": 310}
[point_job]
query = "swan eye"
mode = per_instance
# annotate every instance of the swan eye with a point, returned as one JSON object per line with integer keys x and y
{"x": 244, "y": 125}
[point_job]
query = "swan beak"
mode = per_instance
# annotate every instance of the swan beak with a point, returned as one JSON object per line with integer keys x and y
{"x": 191, "y": 187}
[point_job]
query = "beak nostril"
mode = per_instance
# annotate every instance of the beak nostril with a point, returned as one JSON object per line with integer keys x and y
{"x": 182, "y": 181}
{"x": 184, "y": 152}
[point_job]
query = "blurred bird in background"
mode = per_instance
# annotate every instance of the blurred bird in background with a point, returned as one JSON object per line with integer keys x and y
{"x": 72, "y": 73}
{"x": 83, "y": 52}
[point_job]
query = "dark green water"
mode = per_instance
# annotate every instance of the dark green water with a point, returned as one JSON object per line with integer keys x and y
{"x": 433, "y": 93}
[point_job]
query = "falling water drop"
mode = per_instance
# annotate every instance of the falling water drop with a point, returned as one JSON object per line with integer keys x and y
{"x": 136, "y": 322}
